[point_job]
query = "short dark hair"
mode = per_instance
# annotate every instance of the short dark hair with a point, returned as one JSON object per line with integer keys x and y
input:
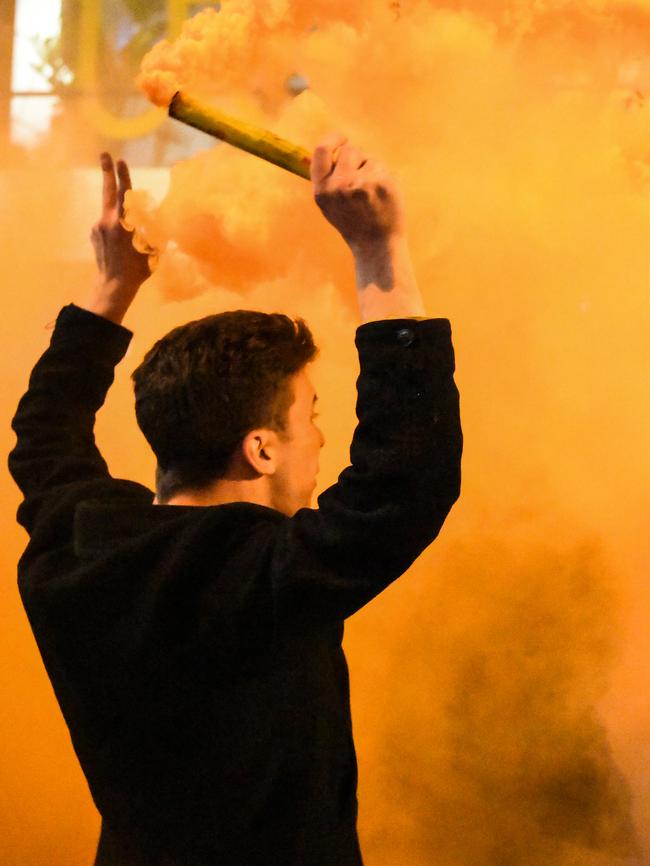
{"x": 206, "y": 384}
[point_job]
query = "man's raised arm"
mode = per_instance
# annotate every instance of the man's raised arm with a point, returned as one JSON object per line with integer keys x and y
{"x": 404, "y": 477}
{"x": 55, "y": 419}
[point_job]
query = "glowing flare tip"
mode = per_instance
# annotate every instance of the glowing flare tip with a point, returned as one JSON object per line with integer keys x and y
{"x": 253, "y": 139}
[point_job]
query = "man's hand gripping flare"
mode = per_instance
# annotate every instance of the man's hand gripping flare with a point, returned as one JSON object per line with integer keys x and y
{"x": 362, "y": 200}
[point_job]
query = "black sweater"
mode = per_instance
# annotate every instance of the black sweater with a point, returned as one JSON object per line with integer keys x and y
{"x": 196, "y": 651}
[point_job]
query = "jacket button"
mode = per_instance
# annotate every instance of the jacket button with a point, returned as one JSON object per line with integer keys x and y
{"x": 405, "y": 336}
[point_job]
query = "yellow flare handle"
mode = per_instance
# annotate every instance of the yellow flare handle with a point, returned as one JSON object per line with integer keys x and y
{"x": 253, "y": 139}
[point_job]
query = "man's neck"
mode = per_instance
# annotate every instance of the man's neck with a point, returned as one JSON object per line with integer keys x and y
{"x": 224, "y": 491}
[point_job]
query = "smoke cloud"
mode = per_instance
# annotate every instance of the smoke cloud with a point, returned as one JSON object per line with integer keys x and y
{"x": 500, "y": 688}
{"x": 521, "y": 135}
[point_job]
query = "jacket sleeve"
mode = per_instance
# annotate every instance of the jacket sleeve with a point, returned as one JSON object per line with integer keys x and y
{"x": 391, "y": 502}
{"x": 55, "y": 460}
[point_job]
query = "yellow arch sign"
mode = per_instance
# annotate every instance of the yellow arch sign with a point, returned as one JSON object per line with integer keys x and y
{"x": 106, "y": 123}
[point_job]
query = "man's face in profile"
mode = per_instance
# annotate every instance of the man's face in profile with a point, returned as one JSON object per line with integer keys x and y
{"x": 299, "y": 449}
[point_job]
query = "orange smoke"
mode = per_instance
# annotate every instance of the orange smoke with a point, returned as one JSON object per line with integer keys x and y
{"x": 499, "y": 690}
{"x": 522, "y": 139}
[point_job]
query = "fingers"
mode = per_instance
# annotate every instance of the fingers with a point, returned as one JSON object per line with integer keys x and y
{"x": 124, "y": 178}
{"x": 324, "y": 158}
{"x": 115, "y": 188}
{"x": 109, "y": 192}
{"x": 338, "y": 165}
{"x": 349, "y": 160}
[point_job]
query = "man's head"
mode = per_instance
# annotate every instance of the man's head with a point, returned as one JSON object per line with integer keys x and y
{"x": 228, "y": 397}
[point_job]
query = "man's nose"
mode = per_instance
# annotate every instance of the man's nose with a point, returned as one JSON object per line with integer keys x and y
{"x": 322, "y": 437}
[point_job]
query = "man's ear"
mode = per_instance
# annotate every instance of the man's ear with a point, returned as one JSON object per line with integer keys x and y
{"x": 259, "y": 450}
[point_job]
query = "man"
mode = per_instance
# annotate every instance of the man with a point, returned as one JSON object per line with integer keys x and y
{"x": 194, "y": 640}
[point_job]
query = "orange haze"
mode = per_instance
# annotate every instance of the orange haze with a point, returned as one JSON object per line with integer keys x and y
{"x": 499, "y": 689}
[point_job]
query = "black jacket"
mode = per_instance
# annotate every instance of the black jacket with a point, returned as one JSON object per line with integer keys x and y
{"x": 196, "y": 651}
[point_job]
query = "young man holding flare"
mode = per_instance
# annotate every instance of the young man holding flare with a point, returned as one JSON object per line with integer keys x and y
{"x": 193, "y": 639}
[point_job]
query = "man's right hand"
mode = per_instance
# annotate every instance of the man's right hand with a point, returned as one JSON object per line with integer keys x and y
{"x": 364, "y": 203}
{"x": 356, "y": 194}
